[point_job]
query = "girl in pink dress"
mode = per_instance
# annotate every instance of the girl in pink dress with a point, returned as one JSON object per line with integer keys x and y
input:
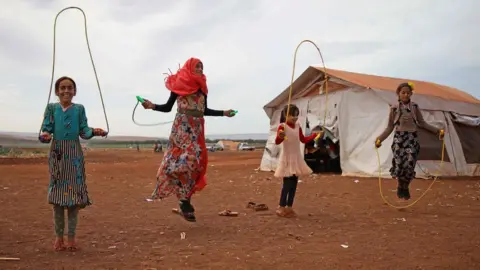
{"x": 291, "y": 163}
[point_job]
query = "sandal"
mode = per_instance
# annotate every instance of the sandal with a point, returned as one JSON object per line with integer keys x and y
{"x": 228, "y": 213}
{"x": 260, "y": 207}
{"x": 58, "y": 245}
{"x": 251, "y": 205}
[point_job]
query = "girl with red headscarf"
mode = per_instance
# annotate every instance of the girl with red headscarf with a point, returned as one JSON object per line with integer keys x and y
{"x": 182, "y": 171}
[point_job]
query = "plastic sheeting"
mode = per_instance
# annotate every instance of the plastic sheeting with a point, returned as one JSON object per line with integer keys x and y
{"x": 465, "y": 119}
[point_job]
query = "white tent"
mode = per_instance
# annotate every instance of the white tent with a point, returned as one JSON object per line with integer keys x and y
{"x": 357, "y": 112}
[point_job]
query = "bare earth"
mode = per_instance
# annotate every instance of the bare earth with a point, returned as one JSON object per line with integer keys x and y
{"x": 123, "y": 231}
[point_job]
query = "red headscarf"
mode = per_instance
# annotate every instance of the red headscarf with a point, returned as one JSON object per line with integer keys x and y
{"x": 186, "y": 81}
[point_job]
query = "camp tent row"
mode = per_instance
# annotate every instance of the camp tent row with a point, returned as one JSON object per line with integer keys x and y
{"x": 357, "y": 112}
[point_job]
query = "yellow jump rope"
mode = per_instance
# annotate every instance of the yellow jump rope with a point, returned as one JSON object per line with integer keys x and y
{"x": 293, "y": 77}
{"x": 377, "y": 142}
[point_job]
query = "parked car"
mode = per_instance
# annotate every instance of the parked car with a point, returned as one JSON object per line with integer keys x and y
{"x": 245, "y": 147}
{"x": 211, "y": 148}
{"x": 214, "y": 147}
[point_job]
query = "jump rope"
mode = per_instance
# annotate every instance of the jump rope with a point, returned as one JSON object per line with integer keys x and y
{"x": 141, "y": 100}
{"x": 91, "y": 59}
{"x": 326, "y": 78}
{"x": 435, "y": 178}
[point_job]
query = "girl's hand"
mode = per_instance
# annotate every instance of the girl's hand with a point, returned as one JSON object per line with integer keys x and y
{"x": 441, "y": 134}
{"x": 229, "y": 113}
{"x": 281, "y": 134}
{"x": 99, "y": 132}
{"x": 45, "y": 137}
{"x": 378, "y": 143}
{"x": 148, "y": 104}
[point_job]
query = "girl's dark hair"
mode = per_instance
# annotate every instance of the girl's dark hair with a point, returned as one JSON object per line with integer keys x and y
{"x": 61, "y": 79}
{"x": 293, "y": 111}
{"x": 400, "y": 86}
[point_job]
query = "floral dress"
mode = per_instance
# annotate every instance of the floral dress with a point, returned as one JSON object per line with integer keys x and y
{"x": 184, "y": 164}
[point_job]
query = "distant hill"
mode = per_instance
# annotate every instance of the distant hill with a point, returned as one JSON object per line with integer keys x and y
{"x": 239, "y": 137}
{"x": 30, "y": 138}
{"x": 9, "y": 139}
{"x": 33, "y": 136}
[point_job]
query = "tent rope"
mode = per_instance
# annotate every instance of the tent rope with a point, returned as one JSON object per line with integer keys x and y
{"x": 435, "y": 178}
{"x": 91, "y": 59}
{"x": 293, "y": 76}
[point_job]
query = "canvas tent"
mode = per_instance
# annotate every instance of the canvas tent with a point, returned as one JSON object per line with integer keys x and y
{"x": 357, "y": 112}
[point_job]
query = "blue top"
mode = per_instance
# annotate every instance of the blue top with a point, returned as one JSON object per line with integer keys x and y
{"x": 68, "y": 124}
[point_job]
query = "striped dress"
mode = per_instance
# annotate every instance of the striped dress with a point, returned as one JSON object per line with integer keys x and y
{"x": 66, "y": 161}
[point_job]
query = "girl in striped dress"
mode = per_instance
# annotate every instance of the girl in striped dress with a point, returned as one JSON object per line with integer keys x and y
{"x": 63, "y": 123}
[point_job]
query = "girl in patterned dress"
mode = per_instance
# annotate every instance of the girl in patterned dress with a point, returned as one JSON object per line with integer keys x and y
{"x": 291, "y": 163}
{"x": 63, "y": 123}
{"x": 405, "y": 118}
{"x": 184, "y": 164}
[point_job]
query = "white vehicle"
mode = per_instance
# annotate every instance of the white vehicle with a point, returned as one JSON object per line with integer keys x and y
{"x": 214, "y": 147}
{"x": 211, "y": 148}
{"x": 245, "y": 147}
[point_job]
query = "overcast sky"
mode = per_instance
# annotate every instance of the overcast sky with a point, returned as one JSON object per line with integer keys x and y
{"x": 246, "y": 45}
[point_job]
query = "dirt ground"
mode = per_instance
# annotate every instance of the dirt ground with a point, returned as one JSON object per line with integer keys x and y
{"x": 123, "y": 231}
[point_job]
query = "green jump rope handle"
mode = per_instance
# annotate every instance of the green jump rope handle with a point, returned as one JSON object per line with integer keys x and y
{"x": 233, "y": 113}
{"x": 140, "y": 99}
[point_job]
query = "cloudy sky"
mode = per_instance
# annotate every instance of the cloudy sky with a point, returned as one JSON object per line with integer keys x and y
{"x": 246, "y": 45}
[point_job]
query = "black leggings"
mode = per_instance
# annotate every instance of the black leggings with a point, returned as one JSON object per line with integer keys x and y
{"x": 288, "y": 191}
{"x": 404, "y": 183}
